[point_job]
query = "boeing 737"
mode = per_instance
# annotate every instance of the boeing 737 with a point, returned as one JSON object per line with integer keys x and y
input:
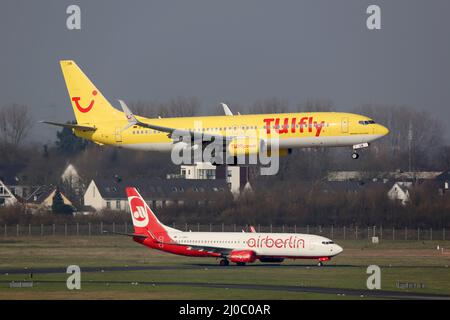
{"x": 237, "y": 247}
{"x": 98, "y": 121}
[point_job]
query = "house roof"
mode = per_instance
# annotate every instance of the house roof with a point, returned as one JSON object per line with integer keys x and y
{"x": 340, "y": 186}
{"x": 114, "y": 188}
{"x": 9, "y": 179}
{"x": 349, "y": 186}
{"x": 367, "y": 175}
{"x": 40, "y": 194}
{"x": 70, "y": 171}
{"x": 444, "y": 176}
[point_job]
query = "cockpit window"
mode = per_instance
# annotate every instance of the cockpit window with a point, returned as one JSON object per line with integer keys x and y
{"x": 327, "y": 242}
{"x": 366, "y": 122}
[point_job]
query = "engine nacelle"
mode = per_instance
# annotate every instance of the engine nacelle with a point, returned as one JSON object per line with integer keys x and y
{"x": 282, "y": 152}
{"x": 242, "y": 256}
{"x": 185, "y": 146}
{"x": 271, "y": 259}
{"x": 244, "y": 146}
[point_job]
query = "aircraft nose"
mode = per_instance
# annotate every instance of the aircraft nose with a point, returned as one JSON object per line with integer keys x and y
{"x": 383, "y": 130}
{"x": 338, "y": 249}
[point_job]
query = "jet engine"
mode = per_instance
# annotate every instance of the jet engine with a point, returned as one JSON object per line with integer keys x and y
{"x": 244, "y": 146}
{"x": 242, "y": 256}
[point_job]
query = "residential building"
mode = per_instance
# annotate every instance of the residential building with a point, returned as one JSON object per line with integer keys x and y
{"x": 399, "y": 192}
{"x": 381, "y": 176}
{"x": 443, "y": 182}
{"x": 109, "y": 193}
{"x": 237, "y": 177}
{"x": 72, "y": 179}
{"x": 42, "y": 198}
{"x": 7, "y": 197}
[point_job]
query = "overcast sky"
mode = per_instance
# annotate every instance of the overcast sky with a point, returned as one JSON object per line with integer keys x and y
{"x": 237, "y": 51}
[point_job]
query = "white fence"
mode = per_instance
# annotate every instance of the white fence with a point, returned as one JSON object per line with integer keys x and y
{"x": 332, "y": 232}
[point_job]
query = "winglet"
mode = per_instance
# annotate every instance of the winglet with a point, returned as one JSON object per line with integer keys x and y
{"x": 129, "y": 115}
{"x": 226, "y": 109}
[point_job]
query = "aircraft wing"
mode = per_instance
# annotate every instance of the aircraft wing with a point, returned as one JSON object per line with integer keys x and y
{"x": 70, "y": 125}
{"x": 127, "y": 234}
{"x": 132, "y": 121}
{"x": 209, "y": 249}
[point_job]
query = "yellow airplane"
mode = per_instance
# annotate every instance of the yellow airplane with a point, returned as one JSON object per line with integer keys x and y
{"x": 100, "y": 122}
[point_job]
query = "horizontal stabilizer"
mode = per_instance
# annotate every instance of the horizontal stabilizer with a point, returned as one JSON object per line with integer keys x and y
{"x": 71, "y": 126}
{"x": 126, "y": 234}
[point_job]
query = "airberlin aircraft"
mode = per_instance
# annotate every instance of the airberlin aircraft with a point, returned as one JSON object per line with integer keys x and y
{"x": 237, "y": 247}
{"x": 99, "y": 121}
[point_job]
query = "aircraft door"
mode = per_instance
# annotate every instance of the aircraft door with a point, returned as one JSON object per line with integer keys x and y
{"x": 118, "y": 134}
{"x": 344, "y": 125}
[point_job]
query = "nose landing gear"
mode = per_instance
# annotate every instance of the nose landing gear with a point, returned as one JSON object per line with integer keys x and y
{"x": 321, "y": 260}
{"x": 355, "y": 154}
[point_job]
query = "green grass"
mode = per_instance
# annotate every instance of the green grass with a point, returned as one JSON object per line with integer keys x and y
{"x": 407, "y": 261}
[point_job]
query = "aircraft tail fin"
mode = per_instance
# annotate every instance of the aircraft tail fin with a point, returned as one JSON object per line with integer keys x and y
{"x": 88, "y": 103}
{"x": 145, "y": 221}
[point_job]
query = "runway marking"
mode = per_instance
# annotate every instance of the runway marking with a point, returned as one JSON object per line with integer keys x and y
{"x": 195, "y": 266}
{"x": 321, "y": 290}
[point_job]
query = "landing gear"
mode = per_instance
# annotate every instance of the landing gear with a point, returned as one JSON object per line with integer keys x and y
{"x": 355, "y": 155}
{"x": 240, "y": 263}
{"x": 224, "y": 262}
{"x": 321, "y": 260}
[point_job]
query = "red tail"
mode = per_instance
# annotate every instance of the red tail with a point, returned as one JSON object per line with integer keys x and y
{"x": 144, "y": 220}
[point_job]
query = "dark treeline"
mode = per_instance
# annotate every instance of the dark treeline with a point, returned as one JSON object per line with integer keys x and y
{"x": 415, "y": 143}
{"x": 278, "y": 206}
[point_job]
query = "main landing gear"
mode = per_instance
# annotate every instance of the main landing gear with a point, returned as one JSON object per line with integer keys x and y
{"x": 355, "y": 154}
{"x": 224, "y": 262}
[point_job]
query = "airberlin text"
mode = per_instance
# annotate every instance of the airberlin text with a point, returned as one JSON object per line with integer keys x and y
{"x": 269, "y": 242}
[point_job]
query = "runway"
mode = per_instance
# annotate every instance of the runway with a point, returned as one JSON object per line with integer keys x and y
{"x": 194, "y": 267}
{"x": 334, "y": 291}
{"x": 383, "y": 294}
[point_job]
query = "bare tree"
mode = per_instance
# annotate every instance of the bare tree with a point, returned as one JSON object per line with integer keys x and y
{"x": 184, "y": 107}
{"x": 413, "y": 134}
{"x": 269, "y": 105}
{"x": 15, "y": 125}
{"x": 315, "y": 106}
{"x": 176, "y": 107}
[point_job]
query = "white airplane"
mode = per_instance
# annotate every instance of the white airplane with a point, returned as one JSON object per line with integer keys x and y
{"x": 237, "y": 247}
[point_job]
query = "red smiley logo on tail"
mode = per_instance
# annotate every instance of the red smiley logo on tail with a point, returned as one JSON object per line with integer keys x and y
{"x": 89, "y": 107}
